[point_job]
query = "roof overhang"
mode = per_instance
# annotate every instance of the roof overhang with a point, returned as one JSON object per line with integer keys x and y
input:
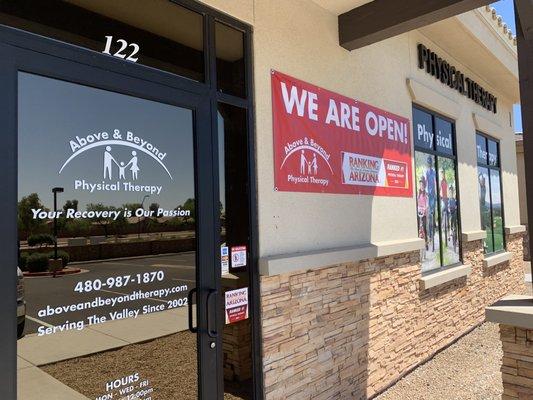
{"x": 338, "y": 7}
{"x": 476, "y": 41}
{"x": 382, "y": 19}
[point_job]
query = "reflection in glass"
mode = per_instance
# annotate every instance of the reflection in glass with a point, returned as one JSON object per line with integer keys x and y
{"x": 491, "y": 207}
{"x": 113, "y": 175}
{"x": 497, "y": 216}
{"x": 428, "y": 223}
{"x": 156, "y": 33}
{"x": 493, "y": 153}
{"x": 448, "y": 211}
{"x": 444, "y": 142}
{"x": 423, "y": 126}
{"x": 235, "y": 217}
{"x": 481, "y": 149}
{"x": 230, "y": 60}
{"x": 485, "y": 207}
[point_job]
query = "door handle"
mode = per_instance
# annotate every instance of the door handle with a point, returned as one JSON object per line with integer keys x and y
{"x": 189, "y": 302}
{"x": 212, "y": 333}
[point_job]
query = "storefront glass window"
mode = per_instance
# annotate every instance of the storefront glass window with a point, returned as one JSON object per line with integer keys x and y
{"x": 436, "y": 190}
{"x": 484, "y": 207}
{"x": 490, "y": 193}
{"x": 448, "y": 211}
{"x": 230, "y": 60}
{"x": 117, "y": 212}
{"x": 112, "y": 177}
{"x": 428, "y": 223}
{"x": 235, "y": 239}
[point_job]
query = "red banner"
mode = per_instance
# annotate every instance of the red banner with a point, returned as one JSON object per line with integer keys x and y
{"x": 328, "y": 143}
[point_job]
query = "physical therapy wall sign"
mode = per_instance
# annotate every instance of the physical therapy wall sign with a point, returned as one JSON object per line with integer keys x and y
{"x": 328, "y": 143}
{"x": 455, "y": 79}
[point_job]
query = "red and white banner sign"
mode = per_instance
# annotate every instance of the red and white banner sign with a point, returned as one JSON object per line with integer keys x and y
{"x": 328, "y": 143}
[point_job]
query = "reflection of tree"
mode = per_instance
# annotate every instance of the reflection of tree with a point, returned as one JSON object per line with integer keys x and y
{"x": 71, "y": 205}
{"x": 189, "y": 205}
{"x": 64, "y": 224}
{"x": 153, "y": 220}
{"x": 77, "y": 227}
{"x": 104, "y": 222}
{"x": 26, "y": 222}
{"x": 153, "y": 208}
{"x": 120, "y": 223}
{"x": 222, "y": 212}
{"x": 131, "y": 206}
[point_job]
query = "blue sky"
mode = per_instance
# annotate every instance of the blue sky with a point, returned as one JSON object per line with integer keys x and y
{"x": 505, "y": 8}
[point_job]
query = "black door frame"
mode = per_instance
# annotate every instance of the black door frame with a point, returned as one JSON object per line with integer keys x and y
{"x": 61, "y": 66}
{"x": 205, "y": 90}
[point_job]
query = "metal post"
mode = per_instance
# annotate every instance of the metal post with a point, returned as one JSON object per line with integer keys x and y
{"x": 55, "y": 225}
{"x": 55, "y": 191}
{"x": 524, "y": 37}
{"x": 139, "y": 218}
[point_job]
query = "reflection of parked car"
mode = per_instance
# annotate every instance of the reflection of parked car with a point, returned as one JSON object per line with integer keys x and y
{"x": 21, "y": 304}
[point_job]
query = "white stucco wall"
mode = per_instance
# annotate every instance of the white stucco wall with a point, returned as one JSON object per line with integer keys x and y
{"x": 308, "y": 49}
{"x": 300, "y": 39}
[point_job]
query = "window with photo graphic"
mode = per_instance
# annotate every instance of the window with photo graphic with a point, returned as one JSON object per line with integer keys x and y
{"x": 490, "y": 193}
{"x": 436, "y": 190}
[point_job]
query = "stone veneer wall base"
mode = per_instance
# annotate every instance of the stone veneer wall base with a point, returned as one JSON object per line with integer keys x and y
{"x": 353, "y": 329}
{"x": 517, "y": 362}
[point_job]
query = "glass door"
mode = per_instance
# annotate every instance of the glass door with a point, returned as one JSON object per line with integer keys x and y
{"x": 116, "y": 239}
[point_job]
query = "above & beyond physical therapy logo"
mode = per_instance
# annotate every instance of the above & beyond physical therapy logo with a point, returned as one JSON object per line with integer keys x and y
{"x": 118, "y": 174}
{"x": 307, "y": 152}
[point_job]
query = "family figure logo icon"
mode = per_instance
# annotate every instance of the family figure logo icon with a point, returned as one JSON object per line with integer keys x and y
{"x": 108, "y": 165}
{"x": 311, "y": 171}
{"x": 309, "y": 167}
{"x": 309, "y": 151}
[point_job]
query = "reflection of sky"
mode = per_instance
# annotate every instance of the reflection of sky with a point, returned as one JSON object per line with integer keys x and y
{"x": 422, "y": 170}
{"x": 221, "y": 160}
{"x": 492, "y": 186}
{"x": 422, "y": 124}
{"x": 52, "y": 112}
{"x": 484, "y": 176}
{"x": 495, "y": 187}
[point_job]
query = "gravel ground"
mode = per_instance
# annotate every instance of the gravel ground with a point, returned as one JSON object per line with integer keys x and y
{"x": 467, "y": 370}
{"x": 169, "y": 363}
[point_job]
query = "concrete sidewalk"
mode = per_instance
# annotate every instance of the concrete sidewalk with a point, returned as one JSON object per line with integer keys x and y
{"x": 35, "y": 384}
{"x": 41, "y": 350}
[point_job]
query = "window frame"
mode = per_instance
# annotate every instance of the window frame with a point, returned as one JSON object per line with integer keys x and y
{"x": 498, "y": 168}
{"x": 435, "y": 153}
{"x": 207, "y": 89}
